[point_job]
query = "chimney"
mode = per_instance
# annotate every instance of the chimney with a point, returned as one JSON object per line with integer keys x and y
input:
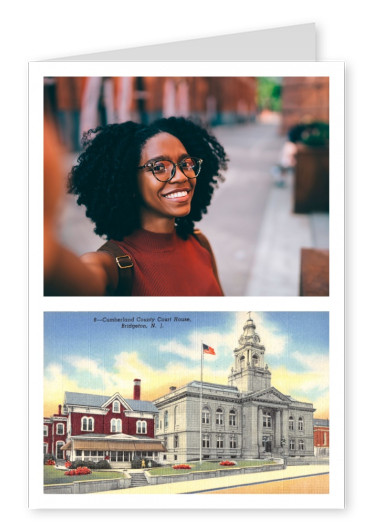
{"x": 136, "y": 389}
{"x": 59, "y": 410}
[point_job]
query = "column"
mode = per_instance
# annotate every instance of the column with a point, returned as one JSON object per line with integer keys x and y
{"x": 278, "y": 429}
{"x": 285, "y": 425}
{"x": 259, "y": 428}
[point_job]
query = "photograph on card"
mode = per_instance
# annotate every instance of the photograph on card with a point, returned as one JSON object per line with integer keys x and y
{"x": 186, "y": 186}
{"x": 186, "y": 403}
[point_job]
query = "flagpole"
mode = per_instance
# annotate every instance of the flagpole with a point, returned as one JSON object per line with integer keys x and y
{"x": 200, "y": 413}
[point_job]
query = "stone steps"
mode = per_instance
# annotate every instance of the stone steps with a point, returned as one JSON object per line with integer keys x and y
{"x": 138, "y": 479}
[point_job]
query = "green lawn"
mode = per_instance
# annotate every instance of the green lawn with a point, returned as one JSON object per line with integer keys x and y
{"x": 53, "y": 476}
{"x": 205, "y": 466}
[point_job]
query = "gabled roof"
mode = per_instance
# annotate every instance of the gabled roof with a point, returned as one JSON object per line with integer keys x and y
{"x": 89, "y": 400}
{"x": 271, "y": 394}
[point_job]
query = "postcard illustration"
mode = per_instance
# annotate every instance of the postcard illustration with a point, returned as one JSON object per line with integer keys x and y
{"x": 186, "y": 403}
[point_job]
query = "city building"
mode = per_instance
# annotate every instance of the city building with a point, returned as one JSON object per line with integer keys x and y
{"x": 248, "y": 418}
{"x": 321, "y": 437}
{"x": 96, "y": 427}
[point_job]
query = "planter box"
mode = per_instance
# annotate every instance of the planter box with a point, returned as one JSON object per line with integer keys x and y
{"x": 311, "y": 185}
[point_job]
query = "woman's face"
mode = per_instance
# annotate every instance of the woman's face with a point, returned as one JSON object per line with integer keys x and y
{"x": 162, "y": 202}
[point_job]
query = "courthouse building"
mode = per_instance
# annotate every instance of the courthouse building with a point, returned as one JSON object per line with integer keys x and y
{"x": 248, "y": 418}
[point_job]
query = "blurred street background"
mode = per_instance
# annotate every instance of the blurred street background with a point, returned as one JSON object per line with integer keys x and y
{"x": 269, "y": 220}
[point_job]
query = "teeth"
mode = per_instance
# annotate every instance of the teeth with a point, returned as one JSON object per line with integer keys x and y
{"x": 177, "y": 194}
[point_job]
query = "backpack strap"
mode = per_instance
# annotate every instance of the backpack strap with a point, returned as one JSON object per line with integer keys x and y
{"x": 125, "y": 267}
{"x": 204, "y": 242}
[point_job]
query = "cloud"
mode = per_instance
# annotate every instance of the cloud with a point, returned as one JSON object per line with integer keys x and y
{"x": 190, "y": 348}
{"x": 274, "y": 340}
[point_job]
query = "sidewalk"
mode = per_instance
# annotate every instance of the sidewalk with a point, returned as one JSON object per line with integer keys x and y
{"x": 202, "y": 485}
{"x": 276, "y": 266}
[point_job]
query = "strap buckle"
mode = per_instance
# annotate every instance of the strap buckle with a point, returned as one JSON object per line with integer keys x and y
{"x": 128, "y": 258}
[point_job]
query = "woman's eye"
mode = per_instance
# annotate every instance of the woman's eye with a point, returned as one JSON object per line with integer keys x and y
{"x": 188, "y": 164}
{"x": 159, "y": 167}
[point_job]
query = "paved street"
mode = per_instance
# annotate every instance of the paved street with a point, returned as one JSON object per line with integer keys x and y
{"x": 226, "y": 484}
{"x": 255, "y": 236}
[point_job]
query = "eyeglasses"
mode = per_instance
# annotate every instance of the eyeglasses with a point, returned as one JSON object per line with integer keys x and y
{"x": 165, "y": 170}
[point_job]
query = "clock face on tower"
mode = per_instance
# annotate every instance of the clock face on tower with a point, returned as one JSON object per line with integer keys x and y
{"x": 256, "y": 338}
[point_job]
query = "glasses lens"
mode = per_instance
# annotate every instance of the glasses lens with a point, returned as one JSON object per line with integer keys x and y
{"x": 162, "y": 169}
{"x": 191, "y": 167}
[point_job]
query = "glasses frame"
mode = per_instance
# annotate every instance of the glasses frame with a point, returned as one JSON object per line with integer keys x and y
{"x": 150, "y": 166}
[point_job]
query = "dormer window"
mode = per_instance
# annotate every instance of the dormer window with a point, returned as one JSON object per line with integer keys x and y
{"x": 116, "y": 406}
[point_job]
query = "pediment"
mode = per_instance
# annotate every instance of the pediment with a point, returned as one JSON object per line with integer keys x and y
{"x": 120, "y": 436}
{"x": 116, "y": 396}
{"x": 271, "y": 395}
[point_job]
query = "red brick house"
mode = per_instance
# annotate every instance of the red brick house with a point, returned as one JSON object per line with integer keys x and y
{"x": 321, "y": 437}
{"x": 96, "y": 427}
{"x": 54, "y": 434}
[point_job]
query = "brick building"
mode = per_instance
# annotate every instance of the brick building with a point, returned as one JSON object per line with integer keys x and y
{"x": 321, "y": 437}
{"x": 304, "y": 100}
{"x": 96, "y": 427}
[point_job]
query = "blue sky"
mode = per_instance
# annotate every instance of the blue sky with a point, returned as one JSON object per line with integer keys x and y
{"x": 103, "y": 352}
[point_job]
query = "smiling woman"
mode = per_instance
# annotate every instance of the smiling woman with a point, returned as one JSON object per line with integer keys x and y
{"x": 144, "y": 187}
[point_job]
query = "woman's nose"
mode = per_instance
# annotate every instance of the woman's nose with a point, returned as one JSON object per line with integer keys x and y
{"x": 178, "y": 176}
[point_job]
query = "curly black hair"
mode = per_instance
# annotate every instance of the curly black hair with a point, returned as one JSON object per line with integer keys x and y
{"x": 105, "y": 176}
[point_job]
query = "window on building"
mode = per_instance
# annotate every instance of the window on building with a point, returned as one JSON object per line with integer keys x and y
{"x": 116, "y": 406}
{"x": 45, "y": 448}
{"x": 325, "y": 438}
{"x": 300, "y": 424}
{"x": 301, "y": 444}
{"x": 175, "y": 415}
{"x": 267, "y": 419}
{"x": 291, "y": 423}
{"x": 255, "y": 360}
{"x": 232, "y": 418}
{"x": 141, "y": 426}
{"x": 45, "y": 430}
{"x": 166, "y": 419}
{"x": 292, "y": 444}
{"x": 233, "y": 441}
{"x": 116, "y": 425}
{"x": 87, "y": 424}
{"x": 176, "y": 441}
{"x": 219, "y": 441}
{"x": 205, "y": 441}
{"x": 205, "y": 415}
{"x": 219, "y": 417}
{"x": 60, "y": 429}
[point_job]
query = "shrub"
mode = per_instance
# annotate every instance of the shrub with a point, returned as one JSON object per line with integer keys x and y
{"x": 181, "y": 467}
{"x": 50, "y": 462}
{"x": 80, "y": 471}
{"x": 227, "y": 463}
{"x": 48, "y": 457}
{"x": 104, "y": 464}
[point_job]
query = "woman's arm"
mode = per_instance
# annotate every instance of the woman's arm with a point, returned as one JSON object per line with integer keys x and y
{"x": 68, "y": 274}
{"x": 64, "y": 272}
